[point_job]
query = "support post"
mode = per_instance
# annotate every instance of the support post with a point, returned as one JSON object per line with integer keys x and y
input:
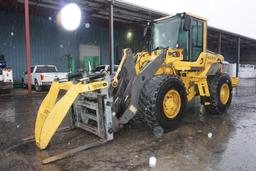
{"x": 111, "y": 36}
{"x": 27, "y": 44}
{"x": 238, "y": 55}
{"x": 219, "y": 48}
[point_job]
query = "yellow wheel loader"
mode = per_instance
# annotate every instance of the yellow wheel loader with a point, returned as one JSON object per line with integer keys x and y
{"x": 156, "y": 84}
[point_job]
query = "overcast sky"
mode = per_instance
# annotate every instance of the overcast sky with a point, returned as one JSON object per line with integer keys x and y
{"x": 237, "y": 16}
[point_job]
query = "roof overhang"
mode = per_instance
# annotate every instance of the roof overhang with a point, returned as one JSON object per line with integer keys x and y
{"x": 95, "y": 10}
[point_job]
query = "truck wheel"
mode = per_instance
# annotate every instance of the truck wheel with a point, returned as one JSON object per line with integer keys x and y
{"x": 23, "y": 83}
{"x": 37, "y": 86}
{"x": 220, "y": 87}
{"x": 5, "y": 91}
{"x": 163, "y": 101}
{"x": 8, "y": 91}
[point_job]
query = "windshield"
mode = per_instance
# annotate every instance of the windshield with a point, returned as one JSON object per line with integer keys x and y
{"x": 103, "y": 67}
{"x": 45, "y": 69}
{"x": 2, "y": 58}
{"x": 99, "y": 68}
{"x": 165, "y": 32}
{"x": 115, "y": 68}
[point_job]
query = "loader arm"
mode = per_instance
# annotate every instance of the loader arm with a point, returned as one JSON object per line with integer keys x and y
{"x": 115, "y": 79}
{"x": 52, "y": 112}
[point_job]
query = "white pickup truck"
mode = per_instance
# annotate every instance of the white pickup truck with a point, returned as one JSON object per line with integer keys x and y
{"x": 43, "y": 75}
{"x": 6, "y": 80}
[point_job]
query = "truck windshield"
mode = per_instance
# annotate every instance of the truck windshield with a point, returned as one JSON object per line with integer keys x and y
{"x": 45, "y": 69}
{"x": 99, "y": 68}
{"x": 2, "y": 58}
{"x": 166, "y": 32}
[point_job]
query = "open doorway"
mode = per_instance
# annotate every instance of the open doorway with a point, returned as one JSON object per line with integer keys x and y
{"x": 89, "y": 57}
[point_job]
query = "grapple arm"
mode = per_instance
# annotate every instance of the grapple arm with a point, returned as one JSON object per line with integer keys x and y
{"x": 52, "y": 112}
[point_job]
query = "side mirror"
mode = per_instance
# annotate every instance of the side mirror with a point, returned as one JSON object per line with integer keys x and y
{"x": 187, "y": 23}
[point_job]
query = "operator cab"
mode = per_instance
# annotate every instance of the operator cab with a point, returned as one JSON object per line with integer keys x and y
{"x": 184, "y": 31}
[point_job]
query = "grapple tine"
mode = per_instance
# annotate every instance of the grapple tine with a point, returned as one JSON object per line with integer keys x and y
{"x": 46, "y": 106}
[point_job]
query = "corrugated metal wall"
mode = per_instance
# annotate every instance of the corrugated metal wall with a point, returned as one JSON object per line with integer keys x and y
{"x": 248, "y": 55}
{"x": 49, "y": 42}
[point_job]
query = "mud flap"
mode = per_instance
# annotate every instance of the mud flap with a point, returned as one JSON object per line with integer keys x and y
{"x": 52, "y": 113}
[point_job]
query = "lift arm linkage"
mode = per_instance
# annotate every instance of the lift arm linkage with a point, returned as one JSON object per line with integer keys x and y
{"x": 52, "y": 112}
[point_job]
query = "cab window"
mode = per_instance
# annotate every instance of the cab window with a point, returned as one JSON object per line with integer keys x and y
{"x": 183, "y": 42}
{"x": 197, "y": 39}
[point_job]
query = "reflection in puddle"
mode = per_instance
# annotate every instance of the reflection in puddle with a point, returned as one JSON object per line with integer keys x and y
{"x": 8, "y": 115}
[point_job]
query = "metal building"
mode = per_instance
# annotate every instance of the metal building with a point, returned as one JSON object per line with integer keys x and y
{"x": 49, "y": 42}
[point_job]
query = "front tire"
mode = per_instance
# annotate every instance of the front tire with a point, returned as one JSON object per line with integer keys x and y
{"x": 163, "y": 101}
{"x": 220, "y": 87}
{"x": 37, "y": 86}
{"x": 23, "y": 83}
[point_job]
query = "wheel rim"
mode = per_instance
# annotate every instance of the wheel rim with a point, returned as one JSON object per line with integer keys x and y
{"x": 171, "y": 104}
{"x": 224, "y": 93}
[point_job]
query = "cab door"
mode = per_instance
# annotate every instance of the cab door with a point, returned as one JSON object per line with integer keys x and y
{"x": 193, "y": 43}
{"x": 191, "y": 39}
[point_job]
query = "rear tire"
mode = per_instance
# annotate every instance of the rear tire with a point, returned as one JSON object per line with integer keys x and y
{"x": 152, "y": 102}
{"x": 220, "y": 87}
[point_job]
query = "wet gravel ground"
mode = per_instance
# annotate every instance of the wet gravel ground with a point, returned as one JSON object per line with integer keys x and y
{"x": 232, "y": 146}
